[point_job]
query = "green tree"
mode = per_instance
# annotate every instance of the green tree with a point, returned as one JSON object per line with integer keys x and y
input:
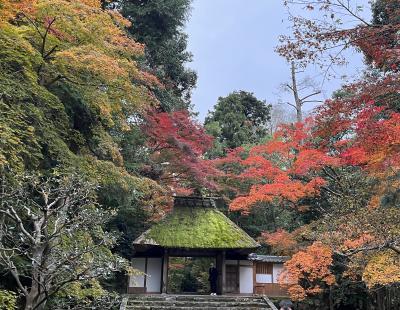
{"x": 237, "y": 119}
{"x": 70, "y": 88}
{"x": 159, "y": 25}
{"x": 69, "y": 85}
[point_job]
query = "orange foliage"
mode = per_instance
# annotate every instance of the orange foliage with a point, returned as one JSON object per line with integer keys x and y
{"x": 285, "y": 167}
{"x": 358, "y": 242}
{"x": 308, "y": 271}
{"x": 89, "y": 49}
{"x": 277, "y": 192}
{"x": 75, "y": 21}
{"x": 281, "y": 241}
{"x": 381, "y": 141}
{"x": 93, "y": 3}
{"x": 10, "y": 8}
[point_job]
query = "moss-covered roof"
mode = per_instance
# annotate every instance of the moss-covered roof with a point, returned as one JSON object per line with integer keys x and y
{"x": 197, "y": 227}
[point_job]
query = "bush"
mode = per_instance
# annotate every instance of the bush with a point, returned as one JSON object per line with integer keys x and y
{"x": 8, "y": 300}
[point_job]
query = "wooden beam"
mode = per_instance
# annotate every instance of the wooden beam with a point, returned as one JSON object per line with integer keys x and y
{"x": 254, "y": 277}
{"x": 164, "y": 278}
{"x": 145, "y": 275}
{"x": 272, "y": 273}
{"x": 191, "y": 253}
{"x": 218, "y": 259}
{"x": 238, "y": 276}
{"x": 221, "y": 281}
{"x": 129, "y": 277}
{"x": 223, "y": 273}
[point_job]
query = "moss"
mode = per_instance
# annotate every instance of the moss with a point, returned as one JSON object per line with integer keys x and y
{"x": 197, "y": 227}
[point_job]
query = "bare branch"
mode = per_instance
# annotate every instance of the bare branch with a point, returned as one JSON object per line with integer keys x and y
{"x": 310, "y": 95}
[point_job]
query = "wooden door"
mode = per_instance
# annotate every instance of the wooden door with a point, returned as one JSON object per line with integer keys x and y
{"x": 232, "y": 279}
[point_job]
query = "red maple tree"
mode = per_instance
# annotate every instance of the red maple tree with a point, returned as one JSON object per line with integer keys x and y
{"x": 281, "y": 171}
{"x": 360, "y": 128}
{"x": 178, "y": 144}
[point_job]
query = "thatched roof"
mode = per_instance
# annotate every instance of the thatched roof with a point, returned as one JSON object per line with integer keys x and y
{"x": 195, "y": 223}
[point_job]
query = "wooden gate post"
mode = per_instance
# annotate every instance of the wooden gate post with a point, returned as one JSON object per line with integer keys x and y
{"x": 164, "y": 278}
{"x": 221, "y": 272}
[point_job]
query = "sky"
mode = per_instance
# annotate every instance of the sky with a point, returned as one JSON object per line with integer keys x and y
{"x": 233, "y": 42}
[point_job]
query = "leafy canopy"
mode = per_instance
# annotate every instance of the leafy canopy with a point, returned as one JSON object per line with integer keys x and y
{"x": 237, "y": 119}
{"x": 159, "y": 26}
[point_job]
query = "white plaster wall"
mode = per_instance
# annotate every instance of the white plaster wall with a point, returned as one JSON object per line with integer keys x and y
{"x": 139, "y": 264}
{"x": 276, "y": 270}
{"x": 154, "y": 270}
{"x": 246, "y": 279}
{"x": 263, "y": 278}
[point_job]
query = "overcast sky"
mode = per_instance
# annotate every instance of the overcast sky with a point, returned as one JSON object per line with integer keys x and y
{"x": 233, "y": 43}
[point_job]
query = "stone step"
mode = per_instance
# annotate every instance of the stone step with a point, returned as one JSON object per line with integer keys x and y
{"x": 265, "y": 307}
{"x": 195, "y": 298}
{"x": 199, "y": 300}
{"x": 195, "y": 302}
{"x": 191, "y": 303}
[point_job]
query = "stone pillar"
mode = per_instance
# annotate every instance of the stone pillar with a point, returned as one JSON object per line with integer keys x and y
{"x": 164, "y": 278}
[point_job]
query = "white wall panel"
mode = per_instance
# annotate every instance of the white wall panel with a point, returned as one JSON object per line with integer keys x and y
{"x": 154, "y": 270}
{"x": 139, "y": 264}
{"x": 263, "y": 278}
{"x": 246, "y": 280}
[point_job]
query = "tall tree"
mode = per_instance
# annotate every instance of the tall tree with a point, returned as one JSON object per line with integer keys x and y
{"x": 237, "y": 119}
{"x": 71, "y": 95}
{"x": 77, "y": 95}
{"x": 296, "y": 88}
{"x": 76, "y": 75}
{"x": 159, "y": 26}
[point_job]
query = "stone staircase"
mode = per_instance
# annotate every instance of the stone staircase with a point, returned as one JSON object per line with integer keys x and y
{"x": 193, "y": 302}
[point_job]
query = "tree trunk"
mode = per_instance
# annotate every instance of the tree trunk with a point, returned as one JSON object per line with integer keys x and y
{"x": 331, "y": 303}
{"x": 33, "y": 301}
{"x": 36, "y": 294}
{"x": 297, "y": 100}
